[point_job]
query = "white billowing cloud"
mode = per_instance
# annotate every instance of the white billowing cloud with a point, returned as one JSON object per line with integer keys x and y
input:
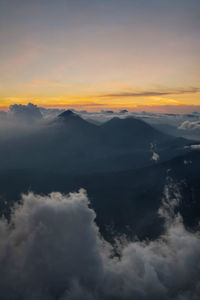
{"x": 52, "y": 249}
{"x": 155, "y": 156}
{"x": 50, "y": 243}
{"x": 187, "y": 125}
{"x": 20, "y": 121}
{"x": 193, "y": 147}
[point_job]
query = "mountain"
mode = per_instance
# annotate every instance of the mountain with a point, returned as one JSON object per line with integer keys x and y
{"x": 112, "y": 161}
{"x": 72, "y": 145}
{"x": 73, "y": 121}
{"x": 131, "y": 131}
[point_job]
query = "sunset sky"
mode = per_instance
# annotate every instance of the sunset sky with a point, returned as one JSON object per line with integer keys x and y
{"x": 101, "y": 54}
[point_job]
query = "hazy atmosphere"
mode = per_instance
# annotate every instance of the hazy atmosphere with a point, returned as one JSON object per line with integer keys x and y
{"x": 99, "y": 150}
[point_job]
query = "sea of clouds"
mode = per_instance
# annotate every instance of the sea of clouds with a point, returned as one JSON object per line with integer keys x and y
{"x": 28, "y": 117}
{"x": 51, "y": 249}
{"x": 32, "y": 113}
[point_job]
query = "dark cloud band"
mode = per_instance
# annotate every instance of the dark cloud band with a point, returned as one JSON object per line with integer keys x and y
{"x": 153, "y": 93}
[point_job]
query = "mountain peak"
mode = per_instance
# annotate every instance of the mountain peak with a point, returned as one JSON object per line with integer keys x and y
{"x": 68, "y": 117}
{"x": 67, "y": 114}
{"x": 72, "y": 119}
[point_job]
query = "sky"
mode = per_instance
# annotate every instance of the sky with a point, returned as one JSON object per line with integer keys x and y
{"x": 101, "y": 54}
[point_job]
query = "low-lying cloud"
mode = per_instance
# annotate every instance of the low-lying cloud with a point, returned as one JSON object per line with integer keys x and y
{"x": 52, "y": 249}
{"x": 21, "y": 120}
{"x": 193, "y": 147}
{"x": 187, "y": 125}
{"x": 155, "y": 156}
{"x": 28, "y": 113}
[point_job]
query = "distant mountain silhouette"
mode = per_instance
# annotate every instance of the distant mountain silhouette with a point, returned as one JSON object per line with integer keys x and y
{"x": 131, "y": 131}
{"x": 127, "y": 133}
{"x": 68, "y": 114}
{"x": 71, "y": 120}
{"x": 75, "y": 146}
{"x": 112, "y": 161}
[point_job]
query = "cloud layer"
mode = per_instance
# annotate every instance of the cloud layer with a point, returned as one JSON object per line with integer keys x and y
{"x": 187, "y": 125}
{"x": 52, "y": 249}
{"x": 193, "y": 147}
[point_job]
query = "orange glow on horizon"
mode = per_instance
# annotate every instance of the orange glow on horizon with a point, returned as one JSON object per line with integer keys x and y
{"x": 162, "y": 100}
{"x": 173, "y": 108}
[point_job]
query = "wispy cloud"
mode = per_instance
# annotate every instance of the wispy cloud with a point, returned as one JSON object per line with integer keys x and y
{"x": 150, "y": 93}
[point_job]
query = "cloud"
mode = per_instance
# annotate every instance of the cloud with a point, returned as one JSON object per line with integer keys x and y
{"x": 30, "y": 116}
{"x": 28, "y": 113}
{"x": 187, "y": 125}
{"x": 193, "y": 147}
{"x": 52, "y": 249}
{"x": 151, "y": 93}
{"x": 50, "y": 113}
{"x": 155, "y": 156}
{"x": 20, "y": 121}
